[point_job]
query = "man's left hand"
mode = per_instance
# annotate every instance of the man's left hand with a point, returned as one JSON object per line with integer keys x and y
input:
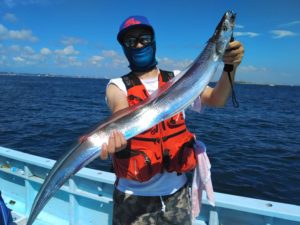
{"x": 234, "y": 53}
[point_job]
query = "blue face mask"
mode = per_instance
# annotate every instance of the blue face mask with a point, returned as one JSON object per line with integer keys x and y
{"x": 141, "y": 59}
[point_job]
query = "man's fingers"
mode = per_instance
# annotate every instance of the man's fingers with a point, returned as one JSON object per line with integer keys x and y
{"x": 230, "y": 60}
{"x": 233, "y": 45}
{"x": 111, "y": 143}
{"x": 104, "y": 153}
{"x": 123, "y": 140}
{"x": 118, "y": 141}
{"x": 234, "y": 53}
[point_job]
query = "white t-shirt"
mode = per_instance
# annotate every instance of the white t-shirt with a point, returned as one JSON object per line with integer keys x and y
{"x": 163, "y": 183}
{"x": 151, "y": 84}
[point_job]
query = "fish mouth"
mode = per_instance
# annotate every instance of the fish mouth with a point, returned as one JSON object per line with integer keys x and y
{"x": 227, "y": 19}
{"x": 230, "y": 15}
{"x": 227, "y": 22}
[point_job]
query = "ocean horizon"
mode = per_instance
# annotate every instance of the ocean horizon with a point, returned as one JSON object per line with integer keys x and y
{"x": 110, "y": 77}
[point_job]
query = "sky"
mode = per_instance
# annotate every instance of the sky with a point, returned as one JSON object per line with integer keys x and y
{"x": 78, "y": 37}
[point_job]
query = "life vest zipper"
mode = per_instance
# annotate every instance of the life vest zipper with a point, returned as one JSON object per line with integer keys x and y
{"x": 165, "y": 138}
{"x": 172, "y": 126}
{"x": 155, "y": 140}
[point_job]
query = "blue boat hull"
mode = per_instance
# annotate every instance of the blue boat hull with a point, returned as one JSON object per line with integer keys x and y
{"x": 86, "y": 199}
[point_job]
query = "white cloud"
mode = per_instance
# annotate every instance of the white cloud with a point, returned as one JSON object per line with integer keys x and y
{"x": 45, "y": 51}
{"x": 10, "y": 17}
{"x": 18, "y": 59}
{"x": 248, "y": 34}
{"x": 96, "y": 59}
{"x": 251, "y": 68}
{"x": 239, "y": 26}
{"x": 172, "y": 64}
{"x": 15, "y": 48}
{"x": 24, "y": 35}
{"x": 120, "y": 61}
{"x": 69, "y": 50}
{"x": 293, "y": 23}
{"x": 33, "y": 59}
{"x": 282, "y": 33}
{"x": 109, "y": 53}
{"x": 73, "y": 61}
{"x": 14, "y": 3}
{"x": 113, "y": 59}
{"x": 28, "y": 50}
{"x": 22, "y": 55}
{"x": 72, "y": 41}
{"x": 3, "y": 31}
{"x": 3, "y": 60}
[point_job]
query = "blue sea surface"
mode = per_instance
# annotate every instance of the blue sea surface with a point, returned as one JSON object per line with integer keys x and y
{"x": 254, "y": 149}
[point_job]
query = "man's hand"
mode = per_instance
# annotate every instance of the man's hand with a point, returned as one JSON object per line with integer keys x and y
{"x": 234, "y": 53}
{"x": 116, "y": 142}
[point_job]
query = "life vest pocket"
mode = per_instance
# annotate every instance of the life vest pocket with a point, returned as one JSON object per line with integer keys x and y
{"x": 184, "y": 160}
{"x": 141, "y": 165}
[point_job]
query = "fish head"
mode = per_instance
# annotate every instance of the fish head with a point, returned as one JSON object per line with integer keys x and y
{"x": 224, "y": 32}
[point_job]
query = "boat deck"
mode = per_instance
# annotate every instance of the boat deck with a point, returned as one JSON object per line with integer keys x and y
{"x": 86, "y": 199}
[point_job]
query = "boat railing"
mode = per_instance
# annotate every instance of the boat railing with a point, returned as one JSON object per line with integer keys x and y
{"x": 86, "y": 198}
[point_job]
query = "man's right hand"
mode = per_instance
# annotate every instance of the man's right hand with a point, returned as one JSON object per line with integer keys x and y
{"x": 116, "y": 142}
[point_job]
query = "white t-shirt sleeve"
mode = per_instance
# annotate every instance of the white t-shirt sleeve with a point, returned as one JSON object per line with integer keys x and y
{"x": 119, "y": 83}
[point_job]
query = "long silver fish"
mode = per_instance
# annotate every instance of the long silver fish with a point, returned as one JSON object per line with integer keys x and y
{"x": 167, "y": 101}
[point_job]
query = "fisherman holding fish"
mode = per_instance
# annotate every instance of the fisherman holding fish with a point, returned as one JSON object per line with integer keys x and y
{"x": 151, "y": 185}
{"x": 147, "y": 106}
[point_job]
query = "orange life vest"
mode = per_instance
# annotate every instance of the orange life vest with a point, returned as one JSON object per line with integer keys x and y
{"x": 166, "y": 146}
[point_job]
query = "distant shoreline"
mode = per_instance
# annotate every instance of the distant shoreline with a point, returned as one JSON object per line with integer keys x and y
{"x": 47, "y": 75}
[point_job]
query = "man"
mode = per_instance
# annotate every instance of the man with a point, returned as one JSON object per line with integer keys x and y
{"x": 151, "y": 167}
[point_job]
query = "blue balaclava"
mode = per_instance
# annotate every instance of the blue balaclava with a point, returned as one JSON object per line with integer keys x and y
{"x": 140, "y": 59}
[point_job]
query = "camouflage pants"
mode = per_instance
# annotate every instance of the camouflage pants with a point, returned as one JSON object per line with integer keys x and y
{"x": 144, "y": 210}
